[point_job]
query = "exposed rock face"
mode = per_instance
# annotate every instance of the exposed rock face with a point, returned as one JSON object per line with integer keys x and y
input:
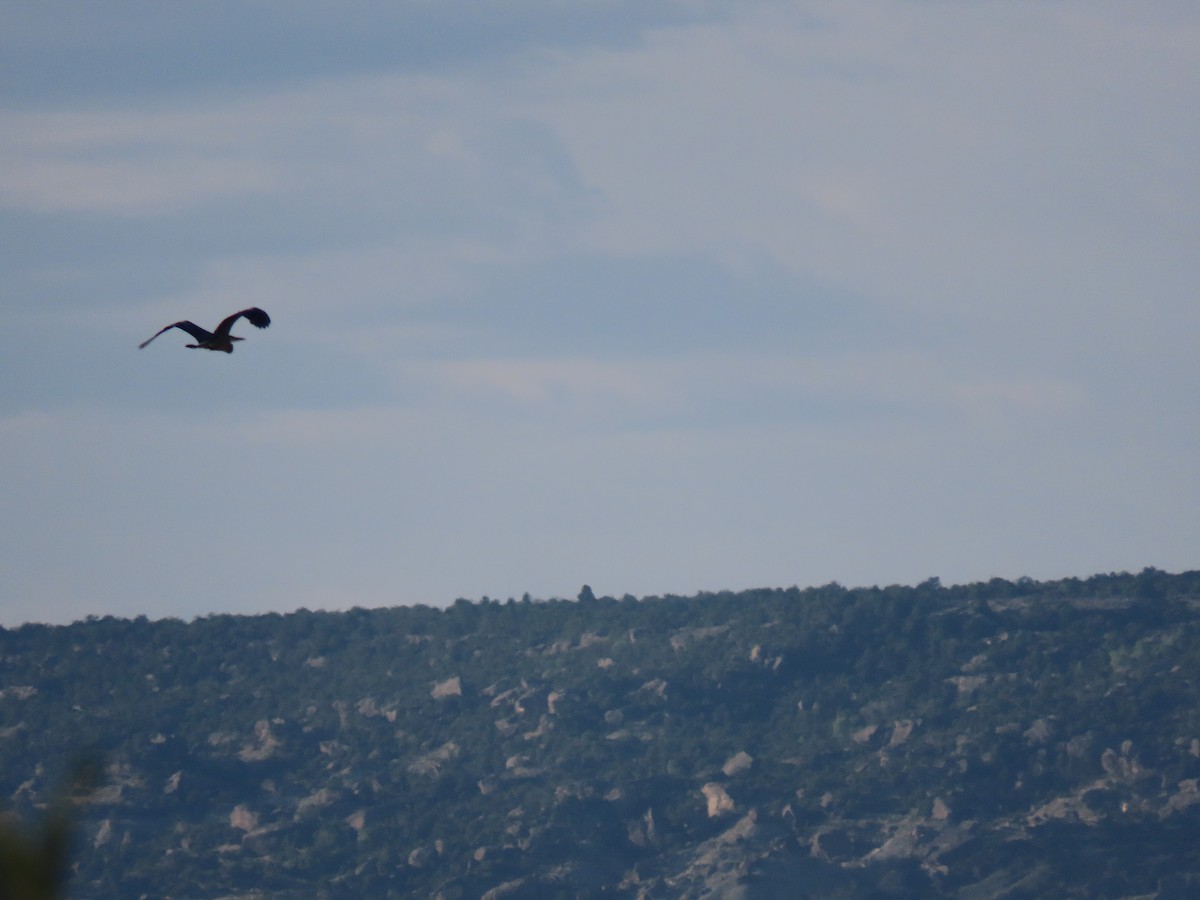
{"x": 104, "y": 833}
{"x": 316, "y": 800}
{"x": 739, "y": 762}
{"x": 451, "y": 687}
{"x": 967, "y": 684}
{"x": 901, "y": 732}
{"x": 508, "y": 889}
{"x": 717, "y": 868}
{"x": 1038, "y": 732}
{"x": 719, "y": 801}
{"x": 243, "y": 818}
{"x": 431, "y": 763}
{"x": 864, "y": 734}
{"x": 264, "y": 746}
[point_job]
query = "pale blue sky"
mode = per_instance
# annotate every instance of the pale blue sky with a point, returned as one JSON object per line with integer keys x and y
{"x": 653, "y": 296}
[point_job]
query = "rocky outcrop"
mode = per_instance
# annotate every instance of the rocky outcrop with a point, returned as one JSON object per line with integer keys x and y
{"x": 719, "y": 801}
{"x": 451, "y": 687}
{"x": 432, "y": 763}
{"x": 852, "y": 743}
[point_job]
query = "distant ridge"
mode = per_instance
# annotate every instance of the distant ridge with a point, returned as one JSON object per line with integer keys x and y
{"x": 993, "y": 739}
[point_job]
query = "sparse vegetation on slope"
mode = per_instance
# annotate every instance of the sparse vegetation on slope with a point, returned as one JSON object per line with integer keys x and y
{"x": 994, "y": 739}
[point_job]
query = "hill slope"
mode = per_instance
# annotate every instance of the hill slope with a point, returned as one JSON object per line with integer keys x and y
{"x": 990, "y": 740}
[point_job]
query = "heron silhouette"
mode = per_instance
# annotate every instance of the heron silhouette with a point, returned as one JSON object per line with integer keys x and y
{"x": 220, "y": 339}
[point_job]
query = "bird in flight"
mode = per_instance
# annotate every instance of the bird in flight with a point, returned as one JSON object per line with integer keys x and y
{"x": 221, "y": 339}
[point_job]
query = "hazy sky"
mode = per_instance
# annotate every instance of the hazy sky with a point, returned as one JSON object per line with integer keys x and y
{"x": 653, "y": 296}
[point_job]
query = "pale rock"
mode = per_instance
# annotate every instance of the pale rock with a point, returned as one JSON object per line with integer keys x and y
{"x": 1038, "y": 732}
{"x": 719, "y": 801}
{"x": 1187, "y": 795}
{"x": 243, "y": 818}
{"x": 1069, "y": 809}
{"x": 342, "y": 708}
{"x": 502, "y": 697}
{"x": 366, "y": 707}
{"x": 316, "y": 800}
{"x": 967, "y": 684}
{"x": 975, "y": 663}
{"x": 864, "y": 734}
{"x": 739, "y": 762}
{"x": 902, "y": 844}
{"x": 543, "y": 727}
{"x": 103, "y": 833}
{"x": 525, "y": 772}
{"x": 431, "y": 763}
{"x": 1118, "y": 766}
{"x": 451, "y": 687}
{"x": 718, "y": 867}
{"x": 901, "y": 732}
{"x": 507, "y": 889}
{"x": 267, "y": 743}
{"x": 421, "y": 857}
{"x": 652, "y": 830}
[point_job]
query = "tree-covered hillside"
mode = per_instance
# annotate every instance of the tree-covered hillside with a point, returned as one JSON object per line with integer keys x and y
{"x": 997, "y": 739}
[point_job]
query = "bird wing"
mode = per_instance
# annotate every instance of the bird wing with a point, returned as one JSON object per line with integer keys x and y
{"x": 256, "y": 317}
{"x": 190, "y": 327}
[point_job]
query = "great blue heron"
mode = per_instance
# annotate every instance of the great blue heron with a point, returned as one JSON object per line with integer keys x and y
{"x": 221, "y": 339}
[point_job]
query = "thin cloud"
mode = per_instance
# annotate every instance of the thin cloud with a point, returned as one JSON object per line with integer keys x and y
{"x": 659, "y": 296}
